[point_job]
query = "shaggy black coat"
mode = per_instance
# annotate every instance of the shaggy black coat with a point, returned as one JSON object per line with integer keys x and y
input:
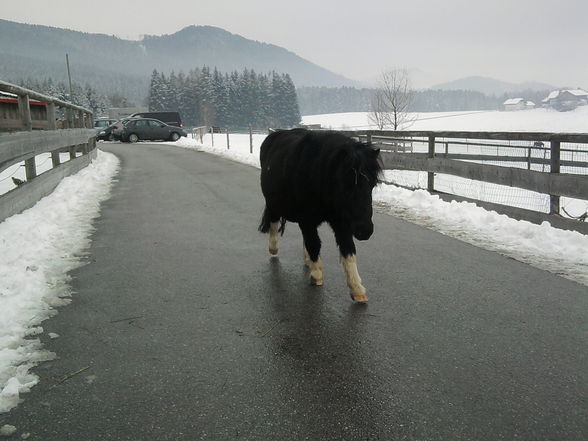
{"x": 311, "y": 177}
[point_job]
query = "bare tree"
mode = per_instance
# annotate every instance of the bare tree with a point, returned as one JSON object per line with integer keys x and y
{"x": 391, "y": 101}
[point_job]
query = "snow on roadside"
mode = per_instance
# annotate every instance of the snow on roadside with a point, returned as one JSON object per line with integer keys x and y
{"x": 39, "y": 247}
{"x": 558, "y": 251}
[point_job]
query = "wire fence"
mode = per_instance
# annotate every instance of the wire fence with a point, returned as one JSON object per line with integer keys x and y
{"x": 524, "y": 151}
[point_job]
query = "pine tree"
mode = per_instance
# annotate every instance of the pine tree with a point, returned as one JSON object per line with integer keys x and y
{"x": 154, "y": 100}
{"x": 220, "y": 94}
{"x": 291, "y": 116}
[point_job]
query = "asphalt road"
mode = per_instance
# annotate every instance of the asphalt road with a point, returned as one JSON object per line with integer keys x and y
{"x": 188, "y": 330}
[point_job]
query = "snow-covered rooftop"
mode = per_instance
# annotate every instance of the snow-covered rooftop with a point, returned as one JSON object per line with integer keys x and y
{"x": 513, "y": 101}
{"x": 576, "y": 92}
{"x": 552, "y": 95}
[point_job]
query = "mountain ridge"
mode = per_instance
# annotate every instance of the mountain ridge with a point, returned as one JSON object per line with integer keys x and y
{"x": 491, "y": 86}
{"x": 189, "y": 48}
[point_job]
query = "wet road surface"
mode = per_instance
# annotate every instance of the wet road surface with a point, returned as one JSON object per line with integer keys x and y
{"x": 188, "y": 330}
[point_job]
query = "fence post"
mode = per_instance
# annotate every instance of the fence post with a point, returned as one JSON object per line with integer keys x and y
{"x": 24, "y": 110}
{"x": 212, "y": 136}
{"x": 52, "y": 125}
{"x": 554, "y": 168}
{"x": 227, "y": 131}
{"x": 250, "y": 140}
{"x": 431, "y": 175}
{"x": 66, "y": 122}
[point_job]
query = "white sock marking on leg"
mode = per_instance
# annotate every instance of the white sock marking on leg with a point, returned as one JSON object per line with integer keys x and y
{"x": 352, "y": 275}
{"x": 274, "y": 240}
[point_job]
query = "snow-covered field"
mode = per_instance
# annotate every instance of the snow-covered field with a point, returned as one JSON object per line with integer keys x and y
{"x": 39, "y": 247}
{"x": 535, "y": 120}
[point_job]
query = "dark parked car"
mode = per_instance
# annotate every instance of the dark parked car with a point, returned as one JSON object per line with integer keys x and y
{"x": 171, "y": 118}
{"x": 135, "y": 129}
{"x": 100, "y": 124}
{"x": 111, "y": 132}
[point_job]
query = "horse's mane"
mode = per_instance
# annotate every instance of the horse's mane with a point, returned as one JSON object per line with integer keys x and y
{"x": 343, "y": 153}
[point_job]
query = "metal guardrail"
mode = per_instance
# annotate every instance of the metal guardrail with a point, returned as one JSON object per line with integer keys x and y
{"x": 20, "y": 143}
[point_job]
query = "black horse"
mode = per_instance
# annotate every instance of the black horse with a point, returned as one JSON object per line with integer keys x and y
{"x": 314, "y": 177}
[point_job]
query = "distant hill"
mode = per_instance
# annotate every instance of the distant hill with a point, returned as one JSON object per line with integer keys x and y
{"x": 36, "y": 51}
{"x": 491, "y": 86}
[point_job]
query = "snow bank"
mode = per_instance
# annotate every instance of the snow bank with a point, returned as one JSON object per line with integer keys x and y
{"x": 39, "y": 247}
{"x": 558, "y": 251}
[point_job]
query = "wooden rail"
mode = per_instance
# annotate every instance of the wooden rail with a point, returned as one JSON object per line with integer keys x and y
{"x": 199, "y": 132}
{"x": 553, "y": 183}
{"x": 20, "y": 143}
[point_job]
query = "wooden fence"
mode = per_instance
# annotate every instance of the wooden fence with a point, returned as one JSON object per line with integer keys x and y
{"x": 199, "y": 132}
{"x": 73, "y": 133}
{"x": 399, "y": 151}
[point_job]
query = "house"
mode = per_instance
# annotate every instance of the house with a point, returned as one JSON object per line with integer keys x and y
{"x": 10, "y": 117}
{"x": 566, "y": 99}
{"x": 517, "y": 104}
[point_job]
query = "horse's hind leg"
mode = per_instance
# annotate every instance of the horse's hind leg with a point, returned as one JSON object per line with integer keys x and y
{"x": 312, "y": 249}
{"x": 274, "y": 238}
{"x": 270, "y": 223}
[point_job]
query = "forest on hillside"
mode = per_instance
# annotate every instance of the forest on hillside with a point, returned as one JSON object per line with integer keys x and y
{"x": 83, "y": 95}
{"x": 237, "y": 99}
{"x": 318, "y": 100}
{"x": 203, "y": 96}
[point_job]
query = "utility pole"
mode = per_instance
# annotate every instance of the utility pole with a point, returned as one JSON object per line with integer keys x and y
{"x": 69, "y": 77}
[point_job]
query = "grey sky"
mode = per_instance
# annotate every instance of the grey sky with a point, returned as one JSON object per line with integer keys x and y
{"x": 511, "y": 40}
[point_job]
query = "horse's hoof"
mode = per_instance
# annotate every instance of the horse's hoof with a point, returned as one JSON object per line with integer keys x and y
{"x": 273, "y": 252}
{"x": 359, "y": 297}
{"x": 316, "y": 282}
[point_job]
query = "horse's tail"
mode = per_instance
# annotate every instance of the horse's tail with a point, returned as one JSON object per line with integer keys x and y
{"x": 264, "y": 226}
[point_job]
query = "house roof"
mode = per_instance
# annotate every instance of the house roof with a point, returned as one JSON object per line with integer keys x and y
{"x": 551, "y": 96}
{"x": 8, "y": 97}
{"x": 575, "y": 92}
{"x": 513, "y": 101}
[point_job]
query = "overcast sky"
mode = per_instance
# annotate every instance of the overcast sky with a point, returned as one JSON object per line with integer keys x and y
{"x": 511, "y": 40}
